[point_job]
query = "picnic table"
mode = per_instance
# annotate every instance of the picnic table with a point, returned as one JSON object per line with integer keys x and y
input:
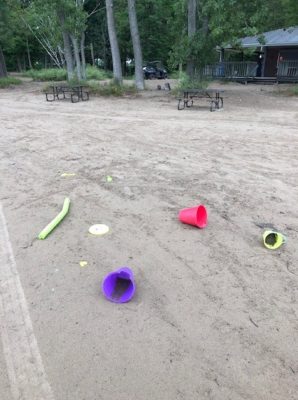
{"x": 75, "y": 93}
{"x": 214, "y": 96}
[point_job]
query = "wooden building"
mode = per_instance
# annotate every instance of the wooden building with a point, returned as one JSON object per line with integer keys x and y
{"x": 275, "y": 58}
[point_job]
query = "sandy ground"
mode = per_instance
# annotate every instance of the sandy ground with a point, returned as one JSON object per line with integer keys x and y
{"x": 215, "y": 314}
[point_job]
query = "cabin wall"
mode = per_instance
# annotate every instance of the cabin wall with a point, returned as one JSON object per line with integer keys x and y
{"x": 274, "y": 54}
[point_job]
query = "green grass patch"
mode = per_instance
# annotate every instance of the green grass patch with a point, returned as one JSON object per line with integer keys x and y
{"x": 59, "y": 74}
{"x": 100, "y": 89}
{"x": 94, "y": 73}
{"x": 8, "y": 81}
{"x": 287, "y": 91}
{"x": 129, "y": 78}
{"x": 49, "y": 74}
{"x": 110, "y": 89}
{"x": 174, "y": 75}
{"x": 294, "y": 90}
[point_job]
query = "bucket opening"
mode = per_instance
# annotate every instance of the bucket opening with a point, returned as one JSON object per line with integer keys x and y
{"x": 122, "y": 285}
{"x": 201, "y": 216}
{"x": 271, "y": 239}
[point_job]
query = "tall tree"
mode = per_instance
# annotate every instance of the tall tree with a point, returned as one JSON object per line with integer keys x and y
{"x": 41, "y": 21}
{"x": 3, "y": 70}
{"x": 67, "y": 43}
{"x": 3, "y": 29}
{"x": 163, "y": 31}
{"x": 139, "y": 76}
{"x": 117, "y": 71}
{"x": 191, "y": 31}
{"x": 71, "y": 27}
{"x": 77, "y": 25}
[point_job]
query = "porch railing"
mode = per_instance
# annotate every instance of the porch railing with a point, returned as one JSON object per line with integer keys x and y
{"x": 231, "y": 69}
{"x": 287, "y": 68}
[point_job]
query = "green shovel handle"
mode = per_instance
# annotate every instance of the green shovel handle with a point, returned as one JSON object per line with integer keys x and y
{"x": 44, "y": 233}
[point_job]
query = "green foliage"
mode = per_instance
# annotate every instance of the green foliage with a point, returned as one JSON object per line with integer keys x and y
{"x": 186, "y": 83}
{"x": 73, "y": 11}
{"x": 174, "y": 75}
{"x": 13, "y": 34}
{"x": 156, "y": 20}
{"x": 110, "y": 89}
{"x": 102, "y": 89}
{"x": 230, "y": 20}
{"x": 50, "y": 74}
{"x": 162, "y": 26}
{"x": 59, "y": 74}
{"x": 43, "y": 21}
{"x": 6, "y": 82}
{"x": 94, "y": 73}
{"x": 295, "y": 90}
{"x": 287, "y": 91}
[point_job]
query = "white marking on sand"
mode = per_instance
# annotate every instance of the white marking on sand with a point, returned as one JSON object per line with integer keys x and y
{"x": 24, "y": 364}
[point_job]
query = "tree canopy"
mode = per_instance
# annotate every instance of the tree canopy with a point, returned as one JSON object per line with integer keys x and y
{"x": 35, "y": 33}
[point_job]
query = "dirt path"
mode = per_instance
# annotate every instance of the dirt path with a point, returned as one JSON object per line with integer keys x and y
{"x": 215, "y": 314}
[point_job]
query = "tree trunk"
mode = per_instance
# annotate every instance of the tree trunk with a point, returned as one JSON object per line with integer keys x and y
{"x": 83, "y": 58}
{"x": 68, "y": 55}
{"x": 104, "y": 41}
{"x": 180, "y": 70}
{"x": 28, "y": 54}
{"x": 77, "y": 56}
{"x": 3, "y": 70}
{"x": 191, "y": 30}
{"x": 67, "y": 46}
{"x": 24, "y": 62}
{"x": 206, "y": 26}
{"x": 61, "y": 56}
{"x": 137, "y": 50}
{"x": 92, "y": 54}
{"x": 19, "y": 64}
{"x": 117, "y": 71}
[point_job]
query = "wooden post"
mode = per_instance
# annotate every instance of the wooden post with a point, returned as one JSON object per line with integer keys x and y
{"x": 264, "y": 62}
{"x": 221, "y": 55}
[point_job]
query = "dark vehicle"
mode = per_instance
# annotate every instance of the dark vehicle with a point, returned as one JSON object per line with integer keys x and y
{"x": 155, "y": 70}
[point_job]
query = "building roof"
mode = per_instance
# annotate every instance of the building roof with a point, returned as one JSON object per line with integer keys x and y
{"x": 279, "y": 37}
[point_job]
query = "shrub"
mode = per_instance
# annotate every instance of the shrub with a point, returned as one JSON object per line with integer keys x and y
{"x": 59, "y": 74}
{"x": 294, "y": 90}
{"x": 50, "y": 74}
{"x": 97, "y": 89}
{"x": 110, "y": 89}
{"x": 287, "y": 91}
{"x": 94, "y": 73}
{"x": 186, "y": 83}
{"x": 8, "y": 81}
{"x": 174, "y": 75}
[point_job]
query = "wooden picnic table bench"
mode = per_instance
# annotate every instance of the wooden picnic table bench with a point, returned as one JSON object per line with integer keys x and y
{"x": 76, "y": 93}
{"x": 214, "y": 96}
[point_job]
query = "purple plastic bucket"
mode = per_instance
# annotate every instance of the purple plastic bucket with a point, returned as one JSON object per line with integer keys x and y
{"x": 119, "y": 286}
